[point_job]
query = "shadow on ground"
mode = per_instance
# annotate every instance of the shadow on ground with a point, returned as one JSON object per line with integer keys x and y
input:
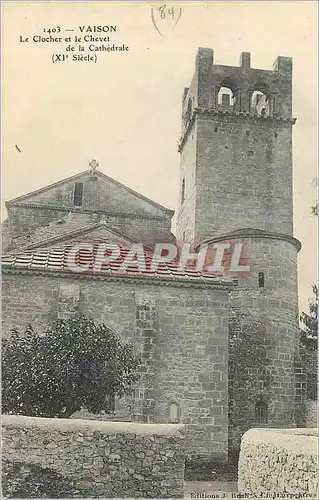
{"x": 193, "y": 488}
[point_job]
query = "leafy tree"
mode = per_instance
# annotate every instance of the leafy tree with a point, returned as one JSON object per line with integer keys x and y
{"x": 76, "y": 364}
{"x": 309, "y": 345}
{"x": 309, "y": 331}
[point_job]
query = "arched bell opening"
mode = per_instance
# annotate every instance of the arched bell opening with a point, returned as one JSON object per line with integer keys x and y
{"x": 225, "y": 97}
{"x": 259, "y": 103}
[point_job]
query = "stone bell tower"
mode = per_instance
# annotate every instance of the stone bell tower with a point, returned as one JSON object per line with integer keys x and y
{"x": 236, "y": 184}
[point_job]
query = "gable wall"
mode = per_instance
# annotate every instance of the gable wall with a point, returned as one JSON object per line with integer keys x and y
{"x": 22, "y": 219}
{"x": 134, "y": 216}
{"x": 114, "y": 197}
{"x": 24, "y": 222}
{"x": 98, "y": 194}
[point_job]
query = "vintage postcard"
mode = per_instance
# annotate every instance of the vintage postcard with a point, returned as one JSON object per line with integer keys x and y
{"x": 159, "y": 249}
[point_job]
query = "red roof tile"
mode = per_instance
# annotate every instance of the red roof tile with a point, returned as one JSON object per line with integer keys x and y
{"x": 56, "y": 260}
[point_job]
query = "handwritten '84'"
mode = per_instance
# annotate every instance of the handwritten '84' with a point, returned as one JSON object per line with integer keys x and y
{"x": 164, "y": 16}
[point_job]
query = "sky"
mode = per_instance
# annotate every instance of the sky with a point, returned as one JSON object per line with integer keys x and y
{"x": 125, "y": 109}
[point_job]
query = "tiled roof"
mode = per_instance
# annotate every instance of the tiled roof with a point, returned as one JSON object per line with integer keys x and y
{"x": 56, "y": 260}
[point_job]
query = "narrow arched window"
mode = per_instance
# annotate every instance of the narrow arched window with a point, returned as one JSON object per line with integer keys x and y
{"x": 189, "y": 110}
{"x": 174, "y": 413}
{"x": 261, "y": 412}
{"x": 183, "y": 192}
{"x": 261, "y": 280}
{"x": 78, "y": 194}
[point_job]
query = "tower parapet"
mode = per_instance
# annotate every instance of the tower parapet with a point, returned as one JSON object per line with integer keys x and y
{"x": 242, "y": 83}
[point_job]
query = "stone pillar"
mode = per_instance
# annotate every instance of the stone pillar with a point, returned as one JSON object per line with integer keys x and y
{"x": 214, "y": 97}
{"x": 240, "y": 100}
{"x": 245, "y": 99}
{"x": 245, "y": 60}
{"x": 271, "y": 104}
{"x": 146, "y": 331}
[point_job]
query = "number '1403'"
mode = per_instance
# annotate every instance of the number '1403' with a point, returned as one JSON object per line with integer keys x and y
{"x": 57, "y": 29}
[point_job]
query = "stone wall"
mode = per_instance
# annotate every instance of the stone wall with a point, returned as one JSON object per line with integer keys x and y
{"x": 278, "y": 462}
{"x": 99, "y": 459}
{"x": 180, "y": 330}
{"x": 24, "y": 223}
{"x": 185, "y": 222}
{"x": 42, "y": 228}
{"x": 273, "y": 310}
{"x": 311, "y": 413}
{"x": 238, "y": 181}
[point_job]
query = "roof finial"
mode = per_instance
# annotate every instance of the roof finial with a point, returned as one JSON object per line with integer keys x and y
{"x": 94, "y": 165}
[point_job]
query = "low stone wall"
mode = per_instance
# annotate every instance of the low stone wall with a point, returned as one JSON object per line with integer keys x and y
{"x": 278, "y": 462}
{"x": 108, "y": 459}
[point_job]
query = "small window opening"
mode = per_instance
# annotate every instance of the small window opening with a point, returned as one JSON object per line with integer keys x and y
{"x": 78, "y": 194}
{"x": 183, "y": 192}
{"x": 276, "y": 135}
{"x": 174, "y": 413}
{"x": 261, "y": 412}
{"x": 247, "y": 132}
{"x": 215, "y": 129}
{"x": 251, "y": 154}
{"x": 261, "y": 280}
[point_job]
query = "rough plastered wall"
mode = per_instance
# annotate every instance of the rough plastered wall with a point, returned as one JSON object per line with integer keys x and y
{"x": 101, "y": 459}
{"x": 278, "y": 462}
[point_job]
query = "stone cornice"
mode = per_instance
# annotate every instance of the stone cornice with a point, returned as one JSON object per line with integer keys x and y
{"x": 56, "y": 208}
{"x": 186, "y": 282}
{"x": 255, "y": 233}
{"x": 209, "y": 112}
